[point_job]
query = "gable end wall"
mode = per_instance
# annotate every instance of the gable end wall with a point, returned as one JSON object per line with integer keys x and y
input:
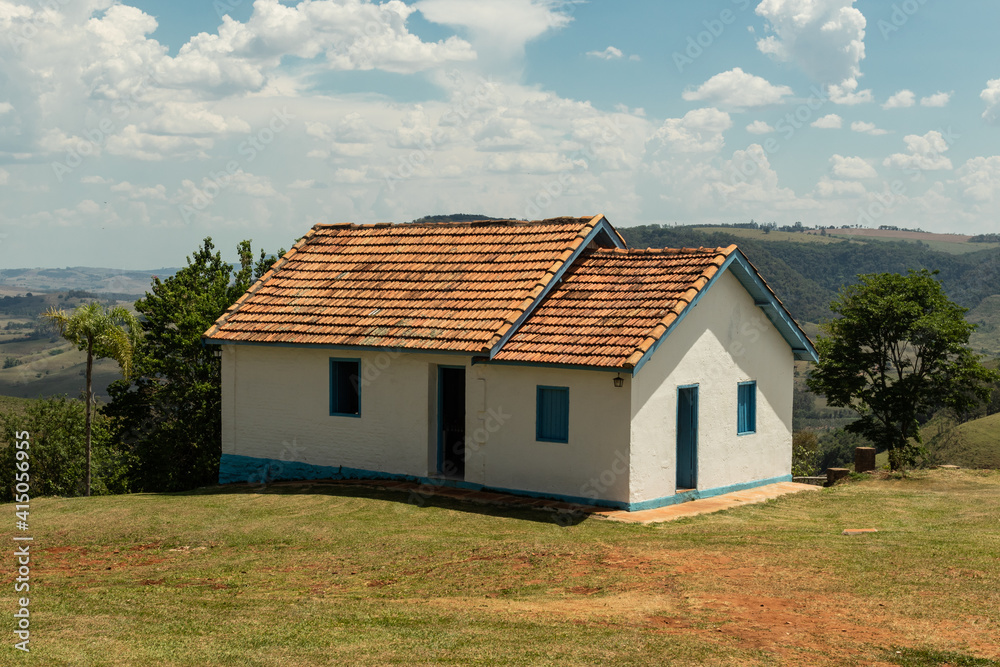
{"x": 723, "y": 341}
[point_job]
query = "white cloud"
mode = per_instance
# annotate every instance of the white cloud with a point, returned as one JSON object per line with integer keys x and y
{"x": 350, "y": 175}
{"x": 851, "y": 168}
{"x": 980, "y": 179}
{"x": 847, "y": 93}
{"x": 753, "y": 183}
{"x": 699, "y": 131}
{"x": 134, "y": 143}
{"x": 502, "y": 133}
{"x": 6, "y": 107}
{"x": 991, "y": 95}
{"x": 252, "y": 185}
{"x": 759, "y": 127}
{"x": 867, "y": 128}
{"x": 925, "y": 153}
{"x": 192, "y": 118}
{"x": 936, "y": 100}
{"x": 737, "y": 89}
{"x": 502, "y": 26}
{"x": 139, "y": 192}
{"x": 302, "y": 184}
{"x": 825, "y": 38}
{"x": 901, "y": 100}
{"x": 96, "y": 180}
{"x": 828, "y": 122}
{"x": 4, "y": 176}
{"x": 528, "y": 163}
{"x": 829, "y": 188}
{"x": 610, "y": 53}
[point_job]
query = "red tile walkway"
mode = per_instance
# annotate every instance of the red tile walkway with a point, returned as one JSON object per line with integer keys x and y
{"x": 669, "y": 513}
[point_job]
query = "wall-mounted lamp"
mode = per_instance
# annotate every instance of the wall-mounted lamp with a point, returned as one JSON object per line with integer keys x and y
{"x": 619, "y": 381}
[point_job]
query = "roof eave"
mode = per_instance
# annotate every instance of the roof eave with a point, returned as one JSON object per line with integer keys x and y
{"x": 208, "y": 336}
{"x": 764, "y": 298}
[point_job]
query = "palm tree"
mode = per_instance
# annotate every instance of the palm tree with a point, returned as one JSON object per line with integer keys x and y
{"x": 106, "y": 334}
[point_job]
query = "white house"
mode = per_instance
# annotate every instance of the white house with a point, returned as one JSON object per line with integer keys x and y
{"x": 540, "y": 358}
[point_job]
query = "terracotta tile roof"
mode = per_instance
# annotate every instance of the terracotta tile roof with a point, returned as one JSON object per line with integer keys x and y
{"x": 437, "y": 286}
{"x": 612, "y": 306}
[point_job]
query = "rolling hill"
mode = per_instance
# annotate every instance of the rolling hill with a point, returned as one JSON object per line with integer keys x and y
{"x": 105, "y": 282}
{"x": 807, "y": 270}
{"x": 974, "y": 444}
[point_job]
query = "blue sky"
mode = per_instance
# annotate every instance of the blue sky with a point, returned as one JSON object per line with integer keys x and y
{"x": 129, "y": 131}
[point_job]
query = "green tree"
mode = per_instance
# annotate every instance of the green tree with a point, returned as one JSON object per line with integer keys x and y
{"x": 897, "y": 352}
{"x": 169, "y": 415}
{"x": 102, "y": 333}
{"x": 58, "y": 444}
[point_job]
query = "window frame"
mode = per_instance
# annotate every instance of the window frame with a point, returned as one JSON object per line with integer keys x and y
{"x": 564, "y": 419}
{"x": 746, "y": 413}
{"x": 335, "y": 364}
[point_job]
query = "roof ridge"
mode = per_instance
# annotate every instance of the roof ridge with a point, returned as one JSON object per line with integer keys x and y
{"x": 697, "y": 285}
{"x": 664, "y": 251}
{"x": 545, "y": 280}
{"x": 450, "y": 223}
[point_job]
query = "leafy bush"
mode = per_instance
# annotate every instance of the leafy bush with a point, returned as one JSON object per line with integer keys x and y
{"x": 58, "y": 458}
{"x": 805, "y": 454}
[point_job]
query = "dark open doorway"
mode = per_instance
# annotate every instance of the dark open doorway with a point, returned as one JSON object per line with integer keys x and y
{"x": 451, "y": 422}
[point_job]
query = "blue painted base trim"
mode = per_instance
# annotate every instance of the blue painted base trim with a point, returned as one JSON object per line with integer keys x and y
{"x": 704, "y": 493}
{"x": 234, "y": 468}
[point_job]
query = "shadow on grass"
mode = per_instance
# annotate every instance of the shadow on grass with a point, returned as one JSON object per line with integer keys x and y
{"x": 509, "y": 507}
{"x": 913, "y": 657}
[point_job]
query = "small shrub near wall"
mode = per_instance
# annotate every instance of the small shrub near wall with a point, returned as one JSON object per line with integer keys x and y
{"x": 805, "y": 454}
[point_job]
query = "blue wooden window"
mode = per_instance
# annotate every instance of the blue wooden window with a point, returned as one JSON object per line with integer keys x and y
{"x": 345, "y": 387}
{"x": 746, "y": 408}
{"x": 552, "y": 414}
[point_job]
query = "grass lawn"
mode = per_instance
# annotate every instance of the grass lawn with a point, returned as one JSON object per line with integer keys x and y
{"x": 328, "y": 575}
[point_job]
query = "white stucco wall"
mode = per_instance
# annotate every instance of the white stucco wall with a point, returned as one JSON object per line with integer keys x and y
{"x": 594, "y": 461}
{"x": 276, "y": 406}
{"x": 725, "y": 340}
{"x": 622, "y": 441}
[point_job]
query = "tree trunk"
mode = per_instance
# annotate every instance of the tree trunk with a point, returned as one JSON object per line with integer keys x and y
{"x": 90, "y": 397}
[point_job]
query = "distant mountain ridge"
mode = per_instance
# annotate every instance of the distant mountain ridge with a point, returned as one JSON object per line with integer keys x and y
{"x": 806, "y": 273}
{"x": 83, "y": 278}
